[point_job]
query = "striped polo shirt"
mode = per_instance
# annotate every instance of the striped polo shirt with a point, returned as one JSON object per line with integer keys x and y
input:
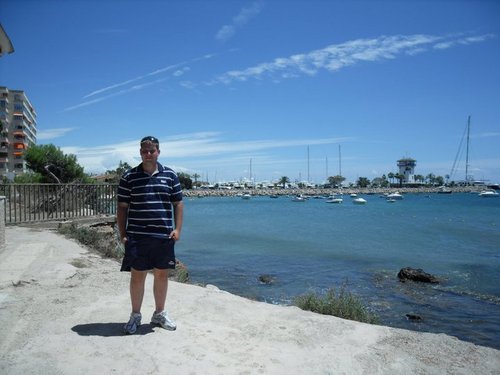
{"x": 150, "y": 210}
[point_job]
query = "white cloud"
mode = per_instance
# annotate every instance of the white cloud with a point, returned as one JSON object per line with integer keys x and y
{"x": 226, "y": 32}
{"x": 190, "y": 149}
{"x": 331, "y": 58}
{"x": 337, "y": 56}
{"x": 47, "y": 134}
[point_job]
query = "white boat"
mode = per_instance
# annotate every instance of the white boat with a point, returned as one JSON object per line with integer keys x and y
{"x": 334, "y": 199}
{"x": 359, "y": 200}
{"x": 395, "y": 196}
{"x": 354, "y": 195}
{"x": 246, "y": 196}
{"x": 444, "y": 190}
{"x": 488, "y": 194}
{"x": 299, "y": 198}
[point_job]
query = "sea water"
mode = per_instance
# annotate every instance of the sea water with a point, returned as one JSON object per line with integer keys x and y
{"x": 314, "y": 246}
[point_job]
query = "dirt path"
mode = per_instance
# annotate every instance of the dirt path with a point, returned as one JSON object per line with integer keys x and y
{"x": 62, "y": 310}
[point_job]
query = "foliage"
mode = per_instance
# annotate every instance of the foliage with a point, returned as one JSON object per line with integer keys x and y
{"x": 342, "y": 304}
{"x": 185, "y": 180}
{"x": 335, "y": 181}
{"x": 98, "y": 241}
{"x": 363, "y": 182}
{"x": 114, "y": 175}
{"x": 196, "y": 183}
{"x": 283, "y": 181}
{"x": 28, "y": 178}
{"x": 53, "y": 165}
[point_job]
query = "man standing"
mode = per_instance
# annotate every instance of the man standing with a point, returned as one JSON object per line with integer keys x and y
{"x": 149, "y": 218}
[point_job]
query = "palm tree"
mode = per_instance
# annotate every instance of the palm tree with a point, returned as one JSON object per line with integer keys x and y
{"x": 391, "y": 176}
{"x": 363, "y": 182}
{"x": 400, "y": 177}
{"x": 195, "y": 176}
{"x": 283, "y": 181}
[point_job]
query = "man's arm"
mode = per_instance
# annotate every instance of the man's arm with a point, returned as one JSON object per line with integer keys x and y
{"x": 178, "y": 216}
{"x": 121, "y": 220}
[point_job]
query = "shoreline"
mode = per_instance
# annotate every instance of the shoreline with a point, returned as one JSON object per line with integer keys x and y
{"x": 200, "y": 193}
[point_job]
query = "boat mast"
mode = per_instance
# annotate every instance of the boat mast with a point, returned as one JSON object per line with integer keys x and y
{"x": 250, "y": 176}
{"x": 340, "y": 163}
{"x": 467, "y": 153}
{"x": 308, "y": 164}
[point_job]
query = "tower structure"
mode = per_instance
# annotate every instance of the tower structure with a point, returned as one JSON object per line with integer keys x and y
{"x": 407, "y": 169}
{"x": 17, "y": 131}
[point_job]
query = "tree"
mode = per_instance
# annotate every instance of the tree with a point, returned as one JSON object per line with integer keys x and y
{"x": 419, "y": 178}
{"x": 196, "y": 176}
{"x": 336, "y": 180}
{"x": 391, "y": 177}
{"x": 362, "y": 182}
{"x": 379, "y": 182}
{"x": 431, "y": 178}
{"x": 123, "y": 167}
{"x": 439, "y": 180}
{"x": 283, "y": 181}
{"x": 185, "y": 180}
{"x": 400, "y": 177}
{"x": 53, "y": 165}
{"x": 114, "y": 175}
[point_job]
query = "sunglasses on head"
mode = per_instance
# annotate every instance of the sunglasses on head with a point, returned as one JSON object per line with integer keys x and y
{"x": 150, "y": 139}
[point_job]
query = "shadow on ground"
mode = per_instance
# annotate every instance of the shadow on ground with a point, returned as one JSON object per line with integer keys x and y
{"x": 108, "y": 329}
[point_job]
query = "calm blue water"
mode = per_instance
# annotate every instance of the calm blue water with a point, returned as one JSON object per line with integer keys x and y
{"x": 313, "y": 245}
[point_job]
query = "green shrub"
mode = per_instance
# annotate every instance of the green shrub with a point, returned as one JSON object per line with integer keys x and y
{"x": 342, "y": 304}
{"x": 101, "y": 242}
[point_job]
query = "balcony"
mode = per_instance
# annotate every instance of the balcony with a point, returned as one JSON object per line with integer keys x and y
{"x": 20, "y": 146}
{"x": 19, "y": 134}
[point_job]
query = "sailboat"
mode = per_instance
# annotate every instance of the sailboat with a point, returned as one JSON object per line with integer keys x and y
{"x": 454, "y": 167}
{"x": 337, "y": 198}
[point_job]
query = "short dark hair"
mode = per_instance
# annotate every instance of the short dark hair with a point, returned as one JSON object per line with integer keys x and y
{"x": 150, "y": 139}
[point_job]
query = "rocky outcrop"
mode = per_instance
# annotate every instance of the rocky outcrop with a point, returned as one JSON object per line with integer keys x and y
{"x": 266, "y": 279}
{"x": 418, "y": 274}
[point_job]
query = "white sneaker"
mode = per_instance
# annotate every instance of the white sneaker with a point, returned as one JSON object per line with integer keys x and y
{"x": 163, "y": 321}
{"x": 135, "y": 321}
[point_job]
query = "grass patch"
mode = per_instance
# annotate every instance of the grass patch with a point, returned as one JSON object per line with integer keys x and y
{"x": 342, "y": 304}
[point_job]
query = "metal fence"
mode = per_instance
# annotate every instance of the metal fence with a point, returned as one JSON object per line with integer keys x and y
{"x": 42, "y": 202}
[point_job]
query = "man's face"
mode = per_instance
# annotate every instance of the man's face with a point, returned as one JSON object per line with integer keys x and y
{"x": 149, "y": 152}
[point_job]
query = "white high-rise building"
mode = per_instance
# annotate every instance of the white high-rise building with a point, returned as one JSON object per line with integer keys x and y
{"x": 17, "y": 131}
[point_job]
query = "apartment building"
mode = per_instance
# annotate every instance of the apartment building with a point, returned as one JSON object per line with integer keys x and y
{"x": 17, "y": 131}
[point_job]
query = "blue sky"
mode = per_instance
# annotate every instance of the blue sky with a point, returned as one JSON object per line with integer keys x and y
{"x": 223, "y": 83}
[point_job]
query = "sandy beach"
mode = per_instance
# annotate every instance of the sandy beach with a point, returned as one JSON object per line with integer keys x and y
{"x": 62, "y": 309}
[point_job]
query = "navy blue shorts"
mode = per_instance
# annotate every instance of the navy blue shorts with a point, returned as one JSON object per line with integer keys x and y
{"x": 144, "y": 253}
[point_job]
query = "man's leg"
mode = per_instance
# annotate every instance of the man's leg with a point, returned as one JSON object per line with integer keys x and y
{"x": 137, "y": 280}
{"x": 160, "y": 286}
{"x": 160, "y": 316}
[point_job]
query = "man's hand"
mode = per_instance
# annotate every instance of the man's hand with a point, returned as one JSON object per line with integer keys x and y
{"x": 175, "y": 235}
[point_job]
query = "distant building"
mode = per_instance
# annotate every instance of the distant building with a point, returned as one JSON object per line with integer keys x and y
{"x": 407, "y": 169}
{"x": 17, "y": 131}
